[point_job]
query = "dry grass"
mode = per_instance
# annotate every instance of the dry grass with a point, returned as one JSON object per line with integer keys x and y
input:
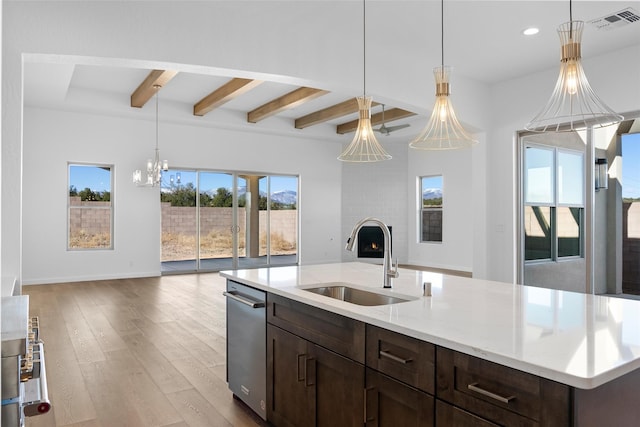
{"x": 83, "y": 240}
{"x": 176, "y": 247}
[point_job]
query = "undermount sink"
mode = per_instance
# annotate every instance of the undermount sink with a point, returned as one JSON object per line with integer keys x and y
{"x": 346, "y": 293}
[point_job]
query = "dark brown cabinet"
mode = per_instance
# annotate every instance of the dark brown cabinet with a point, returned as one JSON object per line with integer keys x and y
{"x": 315, "y": 370}
{"x": 392, "y": 403}
{"x": 325, "y": 369}
{"x": 309, "y": 385}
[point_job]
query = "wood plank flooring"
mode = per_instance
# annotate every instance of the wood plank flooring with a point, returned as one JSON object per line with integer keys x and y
{"x": 136, "y": 352}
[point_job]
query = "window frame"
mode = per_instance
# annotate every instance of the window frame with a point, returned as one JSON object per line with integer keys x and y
{"x": 555, "y": 204}
{"x": 110, "y": 207}
{"x": 422, "y": 209}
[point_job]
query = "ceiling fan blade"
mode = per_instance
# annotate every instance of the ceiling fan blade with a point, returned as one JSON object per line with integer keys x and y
{"x": 383, "y": 130}
{"x": 398, "y": 127}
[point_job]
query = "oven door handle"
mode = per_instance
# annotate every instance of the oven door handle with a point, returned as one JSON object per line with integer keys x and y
{"x": 234, "y": 296}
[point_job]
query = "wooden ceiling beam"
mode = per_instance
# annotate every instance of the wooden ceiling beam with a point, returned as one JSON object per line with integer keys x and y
{"x": 349, "y": 106}
{"x": 225, "y": 93}
{"x": 148, "y": 87}
{"x": 287, "y": 101}
{"x": 376, "y": 119}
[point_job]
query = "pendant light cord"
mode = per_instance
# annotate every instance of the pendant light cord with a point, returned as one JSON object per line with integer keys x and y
{"x": 570, "y": 20}
{"x": 157, "y": 90}
{"x": 442, "y": 32}
{"x": 364, "y": 48}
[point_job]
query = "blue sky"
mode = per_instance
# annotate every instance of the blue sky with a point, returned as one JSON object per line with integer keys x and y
{"x": 97, "y": 179}
{"x": 82, "y": 176}
{"x": 631, "y": 165}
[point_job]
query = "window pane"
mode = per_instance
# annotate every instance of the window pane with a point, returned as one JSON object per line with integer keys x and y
{"x": 432, "y": 225}
{"x": 537, "y": 229}
{"x": 216, "y": 220}
{"x": 538, "y": 175}
{"x": 568, "y": 224}
{"x": 90, "y": 215}
{"x": 178, "y": 207}
{"x": 570, "y": 178}
{"x": 284, "y": 219}
{"x": 431, "y": 208}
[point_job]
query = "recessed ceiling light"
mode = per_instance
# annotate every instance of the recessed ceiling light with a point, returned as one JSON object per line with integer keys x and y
{"x": 530, "y": 31}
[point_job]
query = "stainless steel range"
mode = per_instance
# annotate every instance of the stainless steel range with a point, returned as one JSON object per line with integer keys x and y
{"x": 24, "y": 381}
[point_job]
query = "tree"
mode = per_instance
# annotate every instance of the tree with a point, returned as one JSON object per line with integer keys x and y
{"x": 222, "y": 199}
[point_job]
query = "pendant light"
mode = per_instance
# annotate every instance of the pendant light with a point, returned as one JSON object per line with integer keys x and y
{"x": 573, "y": 104}
{"x": 155, "y": 167}
{"x": 364, "y": 147}
{"x": 443, "y": 131}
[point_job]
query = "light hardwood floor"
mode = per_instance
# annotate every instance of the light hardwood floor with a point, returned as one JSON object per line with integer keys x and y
{"x": 136, "y": 352}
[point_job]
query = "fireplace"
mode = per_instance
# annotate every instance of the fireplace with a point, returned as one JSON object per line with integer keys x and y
{"x": 371, "y": 242}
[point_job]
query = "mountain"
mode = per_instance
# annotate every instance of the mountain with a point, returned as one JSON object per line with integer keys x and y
{"x": 286, "y": 197}
{"x": 431, "y": 193}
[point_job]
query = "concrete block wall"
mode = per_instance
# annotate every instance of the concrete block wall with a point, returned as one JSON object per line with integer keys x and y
{"x": 182, "y": 220}
{"x": 89, "y": 217}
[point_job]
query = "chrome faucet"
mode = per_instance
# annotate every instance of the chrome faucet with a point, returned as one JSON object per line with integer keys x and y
{"x": 388, "y": 270}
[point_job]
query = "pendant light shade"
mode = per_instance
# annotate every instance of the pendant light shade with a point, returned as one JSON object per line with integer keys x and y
{"x": 364, "y": 147}
{"x": 573, "y": 104}
{"x": 443, "y": 131}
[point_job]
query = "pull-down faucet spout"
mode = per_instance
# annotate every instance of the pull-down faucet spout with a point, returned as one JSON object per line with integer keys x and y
{"x": 388, "y": 270}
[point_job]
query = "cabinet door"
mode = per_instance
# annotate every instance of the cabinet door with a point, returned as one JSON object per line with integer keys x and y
{"x": 339, "y": 400}
{"x": 448, "y": 415}
{"x": 289, "y": 387}
{"x": 392, "y": 403}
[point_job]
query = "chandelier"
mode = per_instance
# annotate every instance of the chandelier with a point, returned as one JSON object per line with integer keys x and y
{"x": 364, "y": 147}
{"x": 154, "y": 167}
{"x": 443, "y": 131}
{"x": 573, "y": 104}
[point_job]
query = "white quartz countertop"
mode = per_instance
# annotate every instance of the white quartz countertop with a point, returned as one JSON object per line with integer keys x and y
{"x": 576, "y": 339}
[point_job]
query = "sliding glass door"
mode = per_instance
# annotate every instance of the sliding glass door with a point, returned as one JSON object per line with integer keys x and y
{"x": 214, "y": 221}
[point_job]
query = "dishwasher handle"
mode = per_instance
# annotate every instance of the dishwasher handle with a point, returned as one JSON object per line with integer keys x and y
{"x": 234, "y": 296}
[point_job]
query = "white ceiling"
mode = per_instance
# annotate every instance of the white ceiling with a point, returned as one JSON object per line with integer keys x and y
{"x": 483, "y": 41}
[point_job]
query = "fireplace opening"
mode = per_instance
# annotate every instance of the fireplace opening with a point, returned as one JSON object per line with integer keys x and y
{"x": 371, "y": 242}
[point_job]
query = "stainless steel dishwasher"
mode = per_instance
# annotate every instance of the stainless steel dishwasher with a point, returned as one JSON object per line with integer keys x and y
{"x": 247, "y": 345}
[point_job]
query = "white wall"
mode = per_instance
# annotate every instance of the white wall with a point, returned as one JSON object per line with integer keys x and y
{"x": 53, "y": 138}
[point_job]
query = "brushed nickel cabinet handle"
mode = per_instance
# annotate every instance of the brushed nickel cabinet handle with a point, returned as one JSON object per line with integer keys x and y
{"x": 367, "y": 419}
{"x": 393, "y": 357}
{"x": 310, "y": 372}
{"x": 474, "y": 387}
{"x": 302, "y": 377}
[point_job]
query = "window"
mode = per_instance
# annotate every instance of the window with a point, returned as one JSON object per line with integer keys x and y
{"x": 553, "y": 203}
{"x": 431, "y": 208}
{"x": 90, "y": 207}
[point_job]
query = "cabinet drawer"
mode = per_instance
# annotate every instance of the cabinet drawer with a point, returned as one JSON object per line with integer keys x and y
{"x": 330, "y": 330}
{"x": 404, "y": 358}
{"x": 500, "y": 394}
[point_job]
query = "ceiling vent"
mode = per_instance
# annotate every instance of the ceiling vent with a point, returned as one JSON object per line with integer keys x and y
{"x": 616, "y": 20}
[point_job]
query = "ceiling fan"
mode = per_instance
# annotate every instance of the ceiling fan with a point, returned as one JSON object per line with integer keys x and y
{"x": 386, "y": 130}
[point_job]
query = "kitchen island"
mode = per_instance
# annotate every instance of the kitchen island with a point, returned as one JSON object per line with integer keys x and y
{"x": 586, "y": 343}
